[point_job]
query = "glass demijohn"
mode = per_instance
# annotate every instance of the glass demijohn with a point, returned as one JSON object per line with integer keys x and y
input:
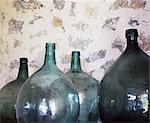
{"x": 87, "y": 90}
{"x": 8, "y": 94}
{"x": 124, "y": 90}
{"x": 47, "y": 96}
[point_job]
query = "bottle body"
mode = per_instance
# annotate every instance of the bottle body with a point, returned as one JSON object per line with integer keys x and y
{"x": 124, "y": 90}
{"x": 8, "y": 94}
{"x": 87, "y": 90}
{"x": 86, "y": 87}
{"x": 47, "y": 97}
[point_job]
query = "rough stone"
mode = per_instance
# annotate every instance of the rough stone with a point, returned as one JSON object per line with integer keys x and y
{"x": 15, "y": 26}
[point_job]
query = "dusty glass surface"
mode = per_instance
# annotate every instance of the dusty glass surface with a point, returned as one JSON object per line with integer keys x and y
{"x": 8, "y": 94}
{"x": 124, "y": 90}
{"x": 48, "y": 96}
{"x": 87, "y": 90}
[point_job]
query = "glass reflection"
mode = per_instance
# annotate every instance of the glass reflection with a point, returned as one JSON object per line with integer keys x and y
{"x": 47, "y": 96}
{"x": 137, "y": 103}
{"x": 81, "y": 97}
{"x": 43, "y": 108}
{"x": 124, "y": 90}
{"x": 53, "y": 108}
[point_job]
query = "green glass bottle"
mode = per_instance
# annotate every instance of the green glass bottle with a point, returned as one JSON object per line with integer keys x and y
{"x": 8, "y": 94}
{"x": 124, "y": 90}
{"x": 87, "y": 90}
{"x": 48, "y": 96}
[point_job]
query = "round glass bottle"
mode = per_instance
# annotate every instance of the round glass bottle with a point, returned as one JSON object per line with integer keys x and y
{"x": 124, "y": 90}
{"x": 87, "y": 90}
{"x": 8, "y": 94}
{"x": 48, "y": 96}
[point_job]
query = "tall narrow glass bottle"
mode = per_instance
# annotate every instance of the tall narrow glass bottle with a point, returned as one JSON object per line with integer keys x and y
{"x": 8, "y": 94}
{"x": 124, "y": 90}
{"x": 48, "y": 96}
{"x": 87, "y": 90}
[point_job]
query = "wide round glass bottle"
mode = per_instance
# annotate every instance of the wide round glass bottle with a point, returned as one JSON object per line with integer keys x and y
{"x": 8, "y": 94}
{"x": 47, "y": 96}
{"x": 124, "y": 90}
{"x": 87, "y": 90}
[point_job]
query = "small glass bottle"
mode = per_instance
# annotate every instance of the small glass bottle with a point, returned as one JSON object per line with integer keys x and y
{"x": 124, "y": 90}
{"x": 87, "y": 90}
{"x": 48, "y": 96}
{"x": 8, "y": 94}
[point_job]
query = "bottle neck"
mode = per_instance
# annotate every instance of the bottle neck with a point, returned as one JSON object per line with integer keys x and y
{"x": 75, "y": 63}
{"x": 50, "y": 56}
{"x": 132, "y": 43}
{"x": 23, "y": 71}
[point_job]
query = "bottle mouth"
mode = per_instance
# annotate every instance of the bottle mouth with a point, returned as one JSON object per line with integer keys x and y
{"x": 50, "y": 46}
{"x": 131, "y": 33}
{"x": 23, "y": 60}
{"x": 75, "y": 53}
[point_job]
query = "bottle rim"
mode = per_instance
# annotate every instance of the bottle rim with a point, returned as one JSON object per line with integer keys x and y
{"x": 131, "y": 32}
{"x": 50, "y": 45}
{"x": 23, "y": 60}
{"x": 76, "y": 53}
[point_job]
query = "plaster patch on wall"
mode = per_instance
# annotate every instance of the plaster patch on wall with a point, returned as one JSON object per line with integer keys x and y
{"x": 15, "y": 26}
{"x": 145, "y": 45}
{"x": 80, "y": 26}
{"x": 133, "y": 22}
{"x": 106, "y": 66}
{"x": 59, "y": 4}
{"x": 0, "y": 65}
{"x": 17, "y": 43}
{"x": 136, "y": 21}
{"x": 72, "y": 10}
{"x": 34, "y": 64}
{"x": 3, "y": 49}
{"x": 110, "y": 23}
{"x": 91, "y": 11}
{"x": 118, "y": 44}
{"x": 66, "y": 59}
{"x": 91, "y": 72}
{"x": 2, "y": 17}
{"x": 57, "y": 22}
{"x": 38, "y": 34}
{"x": 79, "y": 43}
{"x": 35, "y": 19}
{"x": 9, "y": 79}
{"x": 6, "y": 49}
{"x": 13, "y": 64}
{"x": 1, "y": 57}
{"x": 33, "y": 48}
{"x": 37, "y": 62}
{"x": 135, "y": 4}
{"x": 65, "y": 70}
{"x": 96, "y": 56}
{"x": 1, "y": 41}
{"x": 24, "y": 5}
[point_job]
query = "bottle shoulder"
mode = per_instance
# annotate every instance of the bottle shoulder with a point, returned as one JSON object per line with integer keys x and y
{"x": 47, "y": 70}
{"x": 11, "y": 89}
{"x": 81, "y": 77}
{"x": 47, "y": 76}
{"x": 129, "y": 69}
{"x": 13, "y": 84}
{"x": 130, "y": 60}
{"x": 138, "y": 54}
